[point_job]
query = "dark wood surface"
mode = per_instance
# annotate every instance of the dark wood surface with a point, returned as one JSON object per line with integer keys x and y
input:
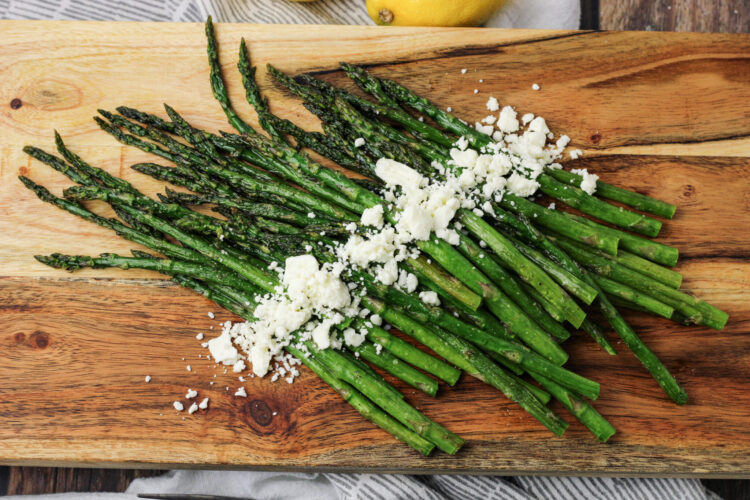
{"x": 689, "y": 15}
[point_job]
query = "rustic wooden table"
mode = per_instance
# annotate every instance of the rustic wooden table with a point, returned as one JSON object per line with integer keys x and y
{"x": 731, "y": 16}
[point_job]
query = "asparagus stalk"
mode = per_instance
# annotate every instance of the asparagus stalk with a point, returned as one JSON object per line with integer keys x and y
{"x": 624, "y": 196}
{"x": 648, "y": 249}
{"x": 393, "y": 365}
{"x": 649, "y": 360}
{"x": 528, "y": 271}
{"x": 577, "y": 198}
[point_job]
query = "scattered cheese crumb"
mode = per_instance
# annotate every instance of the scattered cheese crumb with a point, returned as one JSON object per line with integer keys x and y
{"x": 199, "y": 336}
{"x": 241, "y": 393}
{"x": 189, "y": 368}
{"x": 476, "y": 91}
{"x": 178, "y": 406}
{"x": 430, "y": 298}
{"x": 203, "y": 404}
{"x": 463, "y": 71}
{"x": 535, "y": 86}
{"x": 191, "y": 394}
{"x": 588, "y": 183}
{"x": 492, "y": 104}
{"x": 148, "y": 378}
{"x": 193, "y": 408}
{"x": 359, "y": 142}
{"x": 211, "y": 315}
{"x": 575, "y": 154}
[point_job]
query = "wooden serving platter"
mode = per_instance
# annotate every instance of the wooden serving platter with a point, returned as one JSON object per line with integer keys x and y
{"x": 666, "y": 114}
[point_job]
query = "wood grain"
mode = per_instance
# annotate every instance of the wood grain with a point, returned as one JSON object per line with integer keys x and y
{"x": 93, "y": 336}
{"x": 723, "y": 16}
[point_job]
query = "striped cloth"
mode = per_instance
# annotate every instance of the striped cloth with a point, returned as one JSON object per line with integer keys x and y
{"x": 562, "y": 14}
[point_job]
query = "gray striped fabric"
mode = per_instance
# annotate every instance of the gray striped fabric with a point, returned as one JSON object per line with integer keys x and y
{"x": 364, "y": 486}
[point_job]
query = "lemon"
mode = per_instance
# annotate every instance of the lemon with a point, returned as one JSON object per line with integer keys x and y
{"x": 432, "y": 12}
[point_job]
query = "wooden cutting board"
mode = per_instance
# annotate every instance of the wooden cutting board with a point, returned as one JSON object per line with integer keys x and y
{"x": 666, "y": 114}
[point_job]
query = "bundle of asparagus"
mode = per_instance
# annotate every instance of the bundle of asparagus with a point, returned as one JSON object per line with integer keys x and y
{"x": 493, "y": 302}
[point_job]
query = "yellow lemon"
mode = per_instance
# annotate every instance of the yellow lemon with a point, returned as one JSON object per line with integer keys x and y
{"x": 432, "y": 12}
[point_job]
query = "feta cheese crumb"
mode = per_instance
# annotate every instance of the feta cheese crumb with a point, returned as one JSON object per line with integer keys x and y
{"x": 148, "y": 378}
{"x": 476, "y": 91}
{"x": 463, "y": 71}
{"x": 193, "y": 408}
{"x": 178, "y": 406}
{"x": 575, "y": 154}
{"x": 211, "y": 315}
{"x": 310, "y": 215}
{"x": 588, "y": 183}
{"x": 507, "y": 121}
{"x": 191, "y": 394}
{"x": 376, "y": 320}
{"x": 241, "y": 393}
{"x": 536, "y": 86}
{"x": 373, "y": 216}
{"x": 359, "y": 142}
{"x": 430, "y": 298}
{"x": 199, "y": 336}
{"x": 551, "y": 206}
{"x": 189, "y": 368}
{"x": 492, "y": 104}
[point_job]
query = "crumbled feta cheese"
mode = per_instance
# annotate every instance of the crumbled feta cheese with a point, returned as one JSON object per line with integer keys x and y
{"x": 521, "y": 186}
{"x": 238, "y": 366}
{"x": 484, "y": 129}
{"x": 191, "y": 394}
{"x": 222, "y": 350}
{"x": 211, "y": 315}
{"x": 376, "y": 320}
{"x": 463, "y": 71}
{"x": 476, "y": 91}
{"x": 193, "y": 408}
{"x": 430, "y": 298}
{"x": 199, "y": 336}
{"x": 535, "y": 86}
{"x": 148, "y": 378}
{"x": 507, "y": 121}
{"x": 492, "y": 104}
{"x": 359, "y": 142}
{"x": 551, "y": 206}
{"x": 588, "y": 181}
{"x": 241, "y": 393}
{"x": 575, "y": 154}
{"x": 178, "y": 406}
{"x": 373, "y": 216}
{"x": 525, "y": 119}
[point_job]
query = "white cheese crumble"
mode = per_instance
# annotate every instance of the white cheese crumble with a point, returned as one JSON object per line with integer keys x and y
{"x": 199, "y": 336}
{"x": 241, "y": 393}
{"x": 359, "y": 142}
{"x": 148, "y": 378}
{"x": 463, "y": 71}
{"x": 178, "y": 406}
{"x": 203, "y": 404}
{"x": 588, "y": 183}
{"x": 492, "y": 104}
{"x": 430, "y": 298}
{"x": 535, "y": 86}
{"x": 191, "y": 394}
{"x": 211, "y": 315}
{"x": 575, "y": 154}
{"x": 507, "y": 121}
{"x": 373, "y": 216}
{"x": 193, "y": 408}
